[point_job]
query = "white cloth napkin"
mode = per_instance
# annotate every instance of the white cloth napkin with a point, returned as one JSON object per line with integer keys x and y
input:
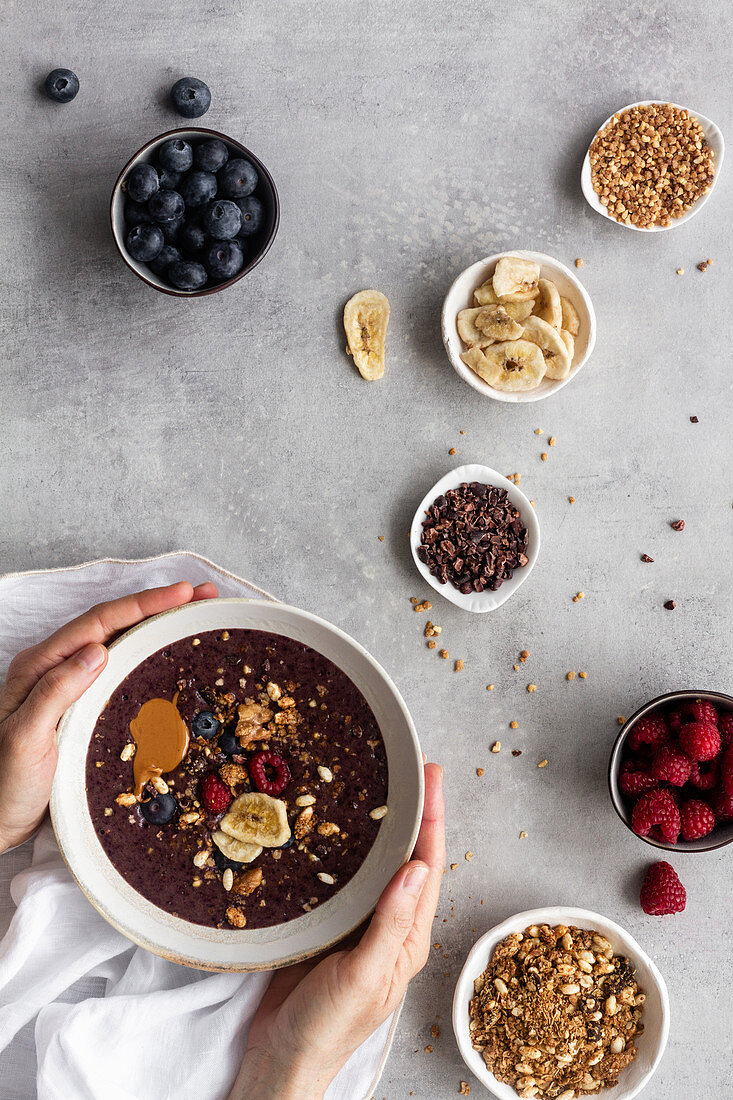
{"x": 112, "y": 1020}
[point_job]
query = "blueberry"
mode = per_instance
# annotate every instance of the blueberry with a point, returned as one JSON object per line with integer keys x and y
{"x": 61, "y": 85}
{"x": 172, "y": 230}
{"x": 160, "y": 809}
{"x": 191, "y": 238}
{"x": 168, "y": 255}
{"x": 190, "y": 97}
{"x": 222, "y": 219}
{"x": 252, "y": 214}
{"x": 136, "y": 213}
{"x": 211, "y": 155}
{"x": 205, "y": 724}
{"x": 176, "y": 155}
{"x": 144, "y": 242}
{"x": 228, "y": 743}
{"x": 166, "y": 207}
{"x": 142, "y": 183}
{"x": 222, "y": 861}
{"x": 237, "y": 179}
{"x": 223, "y": 259}
{"x": 186, "y": 275}
{"x": 198, "y": 187}
{"x": 169, "y": 180}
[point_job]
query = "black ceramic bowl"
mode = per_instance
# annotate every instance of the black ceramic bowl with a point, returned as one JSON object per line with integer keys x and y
{"x": 722, "y": 834}
{"x": 265, "y": 191}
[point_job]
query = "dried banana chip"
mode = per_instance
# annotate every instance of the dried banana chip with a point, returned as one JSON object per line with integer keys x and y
{"x": 237, "y": 850}
{"x": 569, "y": 341}
{"x": 485, "y": 295}
{"x": 466, "y": 325}
{"x": 547, "y": 304}
{"x": 511, "y": 366}
{"x": 570, "y": 319}
{"x": 516, "y": 279}
{"x": 494, "y": 321}
{"x": 365, "y": 320}
{"x": 552, "y": 345}
{"x": 257, "y": 818}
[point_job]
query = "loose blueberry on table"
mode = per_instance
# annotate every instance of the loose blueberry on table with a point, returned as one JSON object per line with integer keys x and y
{"x": 61, "y": 85}
{"x": 279, "y": 788}
{"x": 201, "y": 203}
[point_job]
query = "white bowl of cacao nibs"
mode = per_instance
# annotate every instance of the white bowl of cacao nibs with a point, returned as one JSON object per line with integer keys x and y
{"x": 608, "y": 995}
{"x": 652, "y": 165}
{"x": 574, "y": 322}
{"x": 475, "y": 538}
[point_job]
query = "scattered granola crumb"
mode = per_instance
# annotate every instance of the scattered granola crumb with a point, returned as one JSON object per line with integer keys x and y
{"x": 468, "y": 856}
{"x": 645, "y": 557}
{"x": 583, "y": 675}
{"x": 459, "y": 665}
{"x": 571, "y": 500}
{"x": 462, "y": 431}
{"x": 542, "y": 764}
{"x": 569, "y": 675}
{"x": 516, "y": 752}
{"x": 680, "y": 270}
{"x": 678, "y": 525}
{"x": 703, "y": 265}
{"x": 694, "y": 420}
{"x": 452, "y": 451}
{"x": 543, "y": 456}
{"x": 381, "y": 538}
{"x": 414, "y": 600}
{"x": 578, "y": 263}
{"x": 670, "y": 605}
{"x": 479, "y": 772}
{"x": 621, "y": 719}
{"x": 513, "y": 725}
{"x": 496, "y": 747}
{"x": 532, "y": 503}
{"x": 538, "y": 431}
{"x": 432, "y": 644}
{"x": 524, "y": 654}
{"x": 444, "y": 654}
{"x": 578, "y": 596}
{"x": 522, "y": 835}
{"x": 435, "y": 1031}
{"x": 428, "y": 1049}
{"x": 454, "y": 866}
{"x": 432, "y": 630}
{"x": 552, "y": 440}
{"x": 489, "y": 687}
{"x": 531, "y": 688}
{"x": 464, "y": 1088}
{"x": 425, "y": 605}
{"x": 516, "y": 668}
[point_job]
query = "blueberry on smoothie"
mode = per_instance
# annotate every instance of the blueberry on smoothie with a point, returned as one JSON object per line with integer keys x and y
{"x": 205, "y": 724}
{"x": 142, "y": 183}
{"x": 190, "y": 97}
{"x": 187, "y": 275}
{"x": 159, "y": 810}
{"x": 237, "y": 179}
{"x": 144, "y": 242}
{"x": 223, "y": 259}
{"x": 198, "y": 187}
{"x": 211, "y": 155}
{"x": 61, "y": 85}
{"x": 176, "y": 155}
{"x": 228, "y": 743}
{"x": 222, "y": 220}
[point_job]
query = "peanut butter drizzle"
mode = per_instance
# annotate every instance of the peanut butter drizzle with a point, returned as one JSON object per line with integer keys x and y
{"x": 161, "y": 737}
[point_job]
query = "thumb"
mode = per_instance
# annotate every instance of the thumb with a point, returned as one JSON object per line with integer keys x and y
{"x": 61, "y": 686}
{"x": 392, "y": 922}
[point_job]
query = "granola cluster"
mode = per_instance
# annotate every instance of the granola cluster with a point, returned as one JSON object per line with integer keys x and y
{"x": 556, "y": 1013}
{"x": 650, "y": 164}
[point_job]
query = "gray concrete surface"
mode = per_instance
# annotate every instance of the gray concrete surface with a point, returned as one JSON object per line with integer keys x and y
{"x": 407, "y": 141}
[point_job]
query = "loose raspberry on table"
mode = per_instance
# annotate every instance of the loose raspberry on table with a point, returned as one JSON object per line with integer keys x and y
{"x": 649, "y": 730}
{"x": 671, "y": 765}
{"x": 722, "y": 805}
{"x": 662, "y": 892}
{"x": 696, "y": 819}
{"x": 700, "y": 740}
{"x": 215, "y": 794}
{"x": 704, "y": 777}
{"x": 725, "y": 728}
{"x": 657, "y": 808}
{"x": 726, "y": 770}
{"x": 635, "y": 783}
{"x": 699, "y": 710}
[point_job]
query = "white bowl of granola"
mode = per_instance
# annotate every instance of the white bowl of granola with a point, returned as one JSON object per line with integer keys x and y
{"x": 543, "y": 1073}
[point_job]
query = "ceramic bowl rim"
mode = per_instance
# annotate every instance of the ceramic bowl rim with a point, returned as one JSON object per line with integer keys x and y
{"x": 186, "y": 132}
{"x": 705, "y": 844}
{"x": 475, "y": 471}
{"x": 450, "y": 335}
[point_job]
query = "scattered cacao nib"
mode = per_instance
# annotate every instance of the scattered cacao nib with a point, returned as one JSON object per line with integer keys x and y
{"x": 670, "y": 605}
{"x": 694, "y": 420}
{"x": 678, "y": 525}
{"x": 473, "y": 537}
{"x": 645, "y": 557}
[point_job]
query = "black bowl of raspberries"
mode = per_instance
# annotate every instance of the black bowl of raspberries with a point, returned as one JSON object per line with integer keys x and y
{"x": 671, "y": 771}
{"x": 193, "y": 212}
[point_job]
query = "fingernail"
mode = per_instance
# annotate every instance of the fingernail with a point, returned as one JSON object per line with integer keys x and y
{"x": 414, "y": 880}
{"x": 91, "y": 657}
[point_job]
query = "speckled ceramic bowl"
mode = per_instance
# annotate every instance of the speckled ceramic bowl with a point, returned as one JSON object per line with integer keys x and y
{"x": 233, "y": 949}
{"x": 722, "y": 834}
{"x": 651, "y": 1042}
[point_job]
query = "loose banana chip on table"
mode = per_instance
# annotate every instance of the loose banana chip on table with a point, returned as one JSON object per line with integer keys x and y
{"x": 570, "y": 319}
{"x": 510, "y": 366}
{"x": 237, "y": 850}
{"x": 467, "y": 330}
{"x": 494, "y": 321}
{"x": 257, "y": 818}
{"x": 551, "y": 344}
{"x": 547, "y": 304}
{"x": 365, "y": 320}
{"x": 515, "y": 279}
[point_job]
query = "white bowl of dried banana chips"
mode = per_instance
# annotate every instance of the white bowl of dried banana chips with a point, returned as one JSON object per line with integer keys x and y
{"x": 518, "y": 326}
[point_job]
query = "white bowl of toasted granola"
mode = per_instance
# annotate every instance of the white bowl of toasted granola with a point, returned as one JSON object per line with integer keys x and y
{"x": 569, "y": 965}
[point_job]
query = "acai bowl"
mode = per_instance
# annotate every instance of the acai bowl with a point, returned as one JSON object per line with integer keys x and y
{"x": 223, "y": 794}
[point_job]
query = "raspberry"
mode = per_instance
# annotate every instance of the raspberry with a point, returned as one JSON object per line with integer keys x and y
{"x": 699, "y": 710}
{"x": 649, "y": 730}
{"x": 700, "y": 740}
{"x": 215, "y": 794}
{"x": 705, "y": 778}
{"x": 261, "y": 767}
{"x": 722, "y": 804}
{"x": 656, "y": 808}
{"x": 671, "y": 765}
{"x": 636, "y": 783}
{"x": 726, "y": 771}
{"x": 696, "y": 819}
{"x": 662, "y": 892}
{"x": 725, "y": 728}
{"x": 675, "y": 721}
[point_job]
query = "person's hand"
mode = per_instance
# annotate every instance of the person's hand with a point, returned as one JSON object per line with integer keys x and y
{"x": 315, "y": 1014}
{"x": 47, "y": 678}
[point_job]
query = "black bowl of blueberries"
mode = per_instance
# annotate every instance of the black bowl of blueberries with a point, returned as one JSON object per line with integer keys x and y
{"x": 193, "y": 212}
